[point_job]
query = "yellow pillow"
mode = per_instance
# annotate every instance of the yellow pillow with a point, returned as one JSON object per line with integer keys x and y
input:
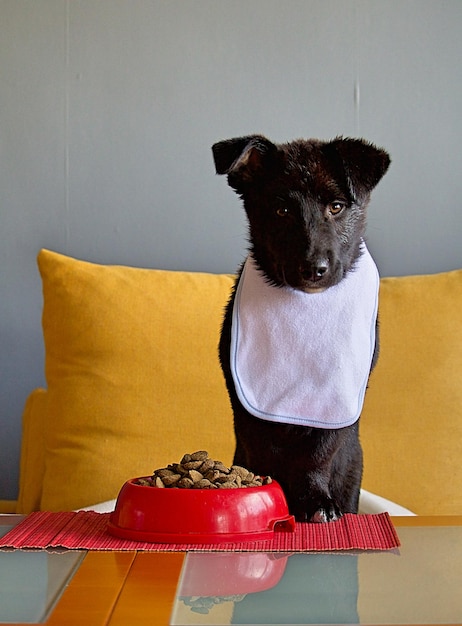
{"x": 134, "y": 382}
{"x": 133, "y": 375}
{"x": 32, "y": 465}
{"x": 411, "y": 428}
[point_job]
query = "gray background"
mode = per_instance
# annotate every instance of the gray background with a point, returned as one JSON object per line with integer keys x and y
{"x": 108, "y": 109}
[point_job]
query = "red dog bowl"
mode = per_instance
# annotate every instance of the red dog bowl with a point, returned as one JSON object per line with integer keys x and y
{"x": 166, "y": 515}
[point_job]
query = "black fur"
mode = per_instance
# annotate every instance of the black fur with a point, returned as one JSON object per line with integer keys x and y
{"x": 306, "y": 206}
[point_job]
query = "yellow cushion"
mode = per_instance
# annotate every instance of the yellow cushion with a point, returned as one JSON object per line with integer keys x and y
{"x": 8, "y": 506}
{"x": 32, "y": 465}
{"x": 133, "y": 375}
{"x": 134, "y": 382}
{"x": 411, "y": 427}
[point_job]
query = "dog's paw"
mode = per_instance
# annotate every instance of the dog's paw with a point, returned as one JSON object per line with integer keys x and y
{"x": 326, "y": 512}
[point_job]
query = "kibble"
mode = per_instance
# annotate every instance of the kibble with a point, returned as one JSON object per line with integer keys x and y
{"x": 199, "y": 471}
{"x": 204, "y": 604}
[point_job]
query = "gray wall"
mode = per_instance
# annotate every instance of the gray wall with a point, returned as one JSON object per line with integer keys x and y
{"x": 108, "y": 109}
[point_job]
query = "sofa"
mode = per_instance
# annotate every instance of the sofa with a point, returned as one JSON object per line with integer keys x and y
{"x": 134, "y": 382}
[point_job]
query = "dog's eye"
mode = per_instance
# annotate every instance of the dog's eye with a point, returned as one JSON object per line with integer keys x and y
{"x": 336, "y": 207}
{"x": 282, "y": 211}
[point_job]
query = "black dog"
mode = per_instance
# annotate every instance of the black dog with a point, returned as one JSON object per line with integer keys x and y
{"x": 306, "y": 206}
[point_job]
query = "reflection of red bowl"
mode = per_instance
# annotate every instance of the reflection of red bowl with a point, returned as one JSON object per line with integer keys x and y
{"x": 230, "y": 573}
{"x": 166, "y": 515}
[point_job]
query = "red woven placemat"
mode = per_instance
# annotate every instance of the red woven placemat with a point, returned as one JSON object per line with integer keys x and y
{"x": 86, "y": 530}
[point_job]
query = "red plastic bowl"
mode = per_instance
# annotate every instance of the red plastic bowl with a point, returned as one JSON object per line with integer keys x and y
{"x": 166, "y": 515}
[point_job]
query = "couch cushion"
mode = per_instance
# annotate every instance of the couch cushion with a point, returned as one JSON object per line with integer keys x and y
{"x": 32, "y": 465}
{"x": 411, "y": 427}
{"x": 132, "y": 372}
{"x": 134, "y": 381}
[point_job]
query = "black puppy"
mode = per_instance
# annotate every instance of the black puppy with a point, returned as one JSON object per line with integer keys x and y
{"x": 298, "y": 340}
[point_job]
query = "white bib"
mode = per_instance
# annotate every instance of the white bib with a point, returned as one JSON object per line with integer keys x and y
{"x": 301, "y": 358}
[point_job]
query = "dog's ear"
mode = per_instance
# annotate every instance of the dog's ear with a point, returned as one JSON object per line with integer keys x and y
{"x": 243, "y": 158}
{"x": 364, "y": 163}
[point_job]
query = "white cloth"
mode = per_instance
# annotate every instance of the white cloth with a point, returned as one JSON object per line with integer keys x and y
{"x": 372, "y": 504}
{"x": 304, "y": 358}
{"x": 101, "y": 507}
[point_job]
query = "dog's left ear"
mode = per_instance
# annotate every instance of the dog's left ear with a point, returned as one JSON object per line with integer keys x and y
{"x": 364, "y": 163}
{"x": 243, "y": 159}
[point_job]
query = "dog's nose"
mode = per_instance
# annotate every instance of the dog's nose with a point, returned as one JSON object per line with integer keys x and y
{"x": 316, "y": 270}
{"x": 321, "y": 268}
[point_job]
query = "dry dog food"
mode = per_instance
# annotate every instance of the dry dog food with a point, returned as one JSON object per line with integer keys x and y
{"x": 204, "y": 604}
{"x": 199, "y": 471}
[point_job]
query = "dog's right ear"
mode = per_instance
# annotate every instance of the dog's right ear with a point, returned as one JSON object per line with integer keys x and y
{"x": 243, "y": 158}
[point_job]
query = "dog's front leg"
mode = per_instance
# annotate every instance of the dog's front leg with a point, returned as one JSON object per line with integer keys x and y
{"x": 309, "y": 497}
{"x": 321, "y": 478}
{"x": 317, "y": 504}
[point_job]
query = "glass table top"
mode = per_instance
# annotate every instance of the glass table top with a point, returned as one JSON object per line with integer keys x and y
{"x": 31, "y": 582}
{"x": 420, "y": 583}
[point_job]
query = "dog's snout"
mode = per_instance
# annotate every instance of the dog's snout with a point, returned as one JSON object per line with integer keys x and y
{"x": 316, "y": 270}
